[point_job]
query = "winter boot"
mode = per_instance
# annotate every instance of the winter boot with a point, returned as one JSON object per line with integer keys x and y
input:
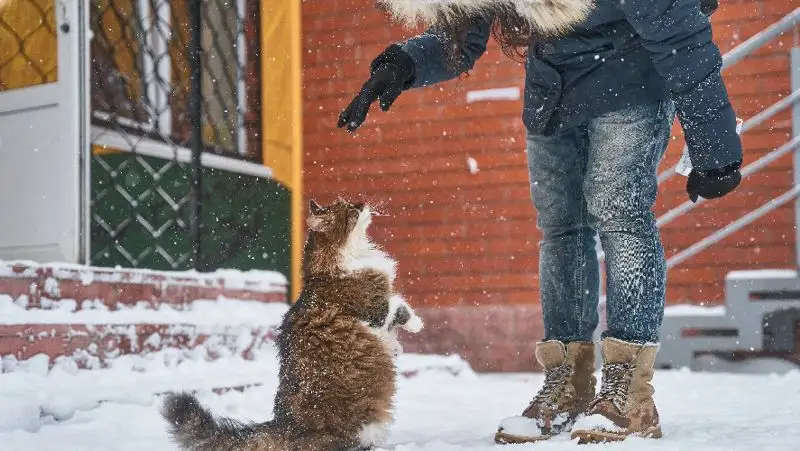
{"x": 567, "y": 391}
{"x": 624, "y": 406}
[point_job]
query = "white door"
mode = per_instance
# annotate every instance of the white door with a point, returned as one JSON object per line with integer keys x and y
{"x": 43, "y": 153}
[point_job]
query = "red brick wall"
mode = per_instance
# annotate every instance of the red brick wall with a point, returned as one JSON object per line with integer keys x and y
{"x": 469, "y": 240}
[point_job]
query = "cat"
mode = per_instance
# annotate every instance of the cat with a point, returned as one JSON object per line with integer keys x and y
{"x": 336, "y": 347}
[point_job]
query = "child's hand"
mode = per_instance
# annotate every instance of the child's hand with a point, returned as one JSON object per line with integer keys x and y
{"x": 390, "y": 74}
{"x": 713, "y": 183}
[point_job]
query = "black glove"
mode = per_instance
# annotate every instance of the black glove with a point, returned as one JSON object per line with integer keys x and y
{"x": 708, "y": 7}
{"x": 390, "y": 73}
{"x": 713, "y": 183}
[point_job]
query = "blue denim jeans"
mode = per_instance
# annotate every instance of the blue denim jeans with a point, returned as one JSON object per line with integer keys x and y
{"x": 601, "y": 178}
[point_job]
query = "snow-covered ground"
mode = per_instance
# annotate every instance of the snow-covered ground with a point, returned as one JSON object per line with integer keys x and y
{"x": 117, "y": 408}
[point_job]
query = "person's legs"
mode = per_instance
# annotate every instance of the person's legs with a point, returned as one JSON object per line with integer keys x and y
{"x": 568, "y": 269}
{"x": 625, "y": 148}
{"x": 568, "y": 289}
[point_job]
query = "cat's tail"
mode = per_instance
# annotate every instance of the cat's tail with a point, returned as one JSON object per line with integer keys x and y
{"x": 193, "y": 428}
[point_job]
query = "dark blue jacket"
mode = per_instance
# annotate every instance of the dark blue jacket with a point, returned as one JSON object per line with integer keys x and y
{"x": 627, "y": 52}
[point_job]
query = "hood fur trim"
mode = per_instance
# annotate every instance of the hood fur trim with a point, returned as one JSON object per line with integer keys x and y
{"x": 546, "y": 16}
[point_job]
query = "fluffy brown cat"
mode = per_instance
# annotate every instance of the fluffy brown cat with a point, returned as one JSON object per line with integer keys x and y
{"x": 336, "y": 347}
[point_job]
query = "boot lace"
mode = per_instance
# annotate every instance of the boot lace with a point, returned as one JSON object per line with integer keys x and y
{"x": 555, "y": 380}
{"x": 616, "y": 384}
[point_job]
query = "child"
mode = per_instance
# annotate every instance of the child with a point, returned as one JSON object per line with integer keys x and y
{"x": 604, "y": 80}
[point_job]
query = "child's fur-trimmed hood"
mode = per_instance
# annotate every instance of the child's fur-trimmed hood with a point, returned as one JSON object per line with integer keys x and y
{"x": 547, "y": 17}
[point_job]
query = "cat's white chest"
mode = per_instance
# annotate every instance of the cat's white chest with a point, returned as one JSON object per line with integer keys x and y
{"x": 361, "y": 254}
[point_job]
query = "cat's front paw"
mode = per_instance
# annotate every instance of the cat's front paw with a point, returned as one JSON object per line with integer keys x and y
{"x": 403, "y": 315}
{"x": 414, "y": 324}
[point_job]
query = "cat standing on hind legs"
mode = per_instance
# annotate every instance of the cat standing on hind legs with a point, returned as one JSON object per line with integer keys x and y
{"x": 336, "y": 347}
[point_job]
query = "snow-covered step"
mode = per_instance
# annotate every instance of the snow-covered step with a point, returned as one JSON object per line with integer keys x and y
{"x": 40, "y": 285}
{"x": 92, "y": 337}
{"x": 93, "y": 346}
{"x": 759, "y": 318}
{"x": 752, "y": 296}
{"x": 690, "y": 329}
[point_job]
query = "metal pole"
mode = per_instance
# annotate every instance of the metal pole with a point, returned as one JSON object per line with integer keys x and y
{"x": 794, "y": 67}
{"x": 196, "y": 121}
{"x": 747, "y": 47}
{"x": 733, "y": 227}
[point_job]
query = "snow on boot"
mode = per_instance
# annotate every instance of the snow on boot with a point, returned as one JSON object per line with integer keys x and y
{"x": 567, "y": 391}
{"x": 624, "y": 406}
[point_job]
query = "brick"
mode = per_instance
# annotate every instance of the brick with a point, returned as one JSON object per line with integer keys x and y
{"x": 746, "y": 86}
{"x": 736, "y": 13}
{"x": 457, "y": 162}
{"x": 764, "y": 233}
{"x": 482, "y": 229}
{"x": 743, "y": 257}
{"x": 760, "y": 65}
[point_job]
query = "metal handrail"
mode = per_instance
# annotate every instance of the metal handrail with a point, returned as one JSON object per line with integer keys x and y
{"x": 733, "y": 227}
{"x": 759, "y": 39}
{"x": 744, "y": 49}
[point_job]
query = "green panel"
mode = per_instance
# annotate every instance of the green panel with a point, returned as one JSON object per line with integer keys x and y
{"x": 246, "y": 222}
{"x": 140, "y": 217}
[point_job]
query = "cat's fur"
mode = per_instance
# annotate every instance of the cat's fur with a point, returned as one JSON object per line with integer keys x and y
{"x": 336, "y": 346}
{"x": 546, "y": 17}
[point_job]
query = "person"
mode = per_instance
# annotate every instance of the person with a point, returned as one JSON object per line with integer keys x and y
{"x": 599, "y": 102}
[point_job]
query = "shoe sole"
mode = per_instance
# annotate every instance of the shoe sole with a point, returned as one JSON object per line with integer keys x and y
{"x": 585, "y": 437}
{"x": 507, "y": 439}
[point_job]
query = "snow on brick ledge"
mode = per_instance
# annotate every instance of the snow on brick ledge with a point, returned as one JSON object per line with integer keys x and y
{"x": 96, "y": 346}
{"x": 762, "y": 274}
{"x": 37, "y": 285}
{"x": 93, "y": 337}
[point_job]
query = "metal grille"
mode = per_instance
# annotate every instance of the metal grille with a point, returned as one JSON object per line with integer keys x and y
{"x": 167, "y": 87}
{"x": 28, "y": 44}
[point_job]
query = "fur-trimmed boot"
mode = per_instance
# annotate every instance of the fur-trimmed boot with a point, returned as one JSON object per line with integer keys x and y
{"x": 624, "y": 406}
{"x": 568, "y": 389}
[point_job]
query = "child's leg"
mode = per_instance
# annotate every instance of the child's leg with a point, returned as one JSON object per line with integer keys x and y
{"x": 568, "y": 271}
{"x": 625, "y": 148}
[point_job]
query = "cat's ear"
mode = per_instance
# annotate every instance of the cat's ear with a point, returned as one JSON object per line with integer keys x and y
{"x": 314, "y": 207}
{"x": 317, "y": 224}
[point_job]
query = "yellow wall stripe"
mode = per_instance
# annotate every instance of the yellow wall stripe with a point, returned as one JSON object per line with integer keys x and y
{"x": 298, "y": 225}
{"x": 282, "y": 116}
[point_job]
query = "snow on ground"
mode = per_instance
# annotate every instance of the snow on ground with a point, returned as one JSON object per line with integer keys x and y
{"x": 455, "y": 410}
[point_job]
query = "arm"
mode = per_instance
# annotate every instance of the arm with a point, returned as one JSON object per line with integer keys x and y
{"x": 678, "y": 36}
{"x": 421, "y": 61}
{"x": 429, "y": 54}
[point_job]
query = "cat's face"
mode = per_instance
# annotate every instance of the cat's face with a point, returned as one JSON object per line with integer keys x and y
{"x": 337, "y": 221}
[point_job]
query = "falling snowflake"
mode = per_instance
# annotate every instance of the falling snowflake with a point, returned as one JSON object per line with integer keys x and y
{"x": 472, "y": 165}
